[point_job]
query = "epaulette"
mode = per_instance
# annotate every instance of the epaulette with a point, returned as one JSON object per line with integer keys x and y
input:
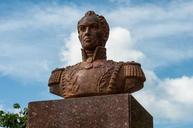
{"x": 55, "y": 76}
{"x": 133, "y": 69}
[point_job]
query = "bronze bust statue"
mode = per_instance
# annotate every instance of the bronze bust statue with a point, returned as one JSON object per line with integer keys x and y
{"x": 95, "y": 75}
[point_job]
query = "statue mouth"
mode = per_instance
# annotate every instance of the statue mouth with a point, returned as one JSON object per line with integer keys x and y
{"x": 87, "y": 39}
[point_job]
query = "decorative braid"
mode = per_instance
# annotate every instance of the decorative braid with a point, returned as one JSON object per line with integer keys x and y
{"x": 114, "y": 76}
{"x": 66, "y": 80}
{"x": 133, "y": 69}
{"x": 55, "y": 76}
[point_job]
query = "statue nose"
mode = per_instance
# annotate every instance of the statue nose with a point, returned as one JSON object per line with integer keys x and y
{"x": 87, "y": 31}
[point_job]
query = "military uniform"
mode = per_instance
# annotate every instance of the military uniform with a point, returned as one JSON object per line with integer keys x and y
{"x": 96, "y": 76}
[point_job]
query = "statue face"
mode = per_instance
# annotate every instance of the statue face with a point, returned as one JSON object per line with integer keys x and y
{"x": 89, "y": 33}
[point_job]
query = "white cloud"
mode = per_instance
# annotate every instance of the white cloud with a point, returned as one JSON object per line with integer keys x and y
{"x": 119, "y": 47}
{"x": 42, "y": 17}
{"x": 161, "y": 109}
{"x": 23, "y": 62}
{"x": 151, "y": 20}
{"x": 158, "y": 30}
{"x": 71, "y": 52}
{"x": 180, "y": 89}
{"x": 29, "y": 53}
{"x": 168, "y": 99}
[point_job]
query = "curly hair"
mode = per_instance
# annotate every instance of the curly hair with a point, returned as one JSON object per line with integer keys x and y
{"x": 103, "y": 25}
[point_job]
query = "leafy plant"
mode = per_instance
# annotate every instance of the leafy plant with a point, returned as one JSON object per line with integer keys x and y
{"x": 14, "y": 120}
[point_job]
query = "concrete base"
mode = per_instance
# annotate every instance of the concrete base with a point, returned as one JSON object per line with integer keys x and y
{"x": 109, "y": 111}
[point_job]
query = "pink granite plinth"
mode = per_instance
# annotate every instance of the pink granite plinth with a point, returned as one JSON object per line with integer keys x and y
{"x": 109, "y": 111}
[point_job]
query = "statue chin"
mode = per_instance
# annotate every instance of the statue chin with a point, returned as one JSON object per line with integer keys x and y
{"x": 89, "y": 47}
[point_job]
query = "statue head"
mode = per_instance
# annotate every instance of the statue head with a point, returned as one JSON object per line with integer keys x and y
{"x": 93, "y": 31}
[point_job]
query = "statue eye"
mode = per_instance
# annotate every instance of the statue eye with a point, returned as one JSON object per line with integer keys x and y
{"x": 93, "y": 26}
{"x": 82, "y": 28}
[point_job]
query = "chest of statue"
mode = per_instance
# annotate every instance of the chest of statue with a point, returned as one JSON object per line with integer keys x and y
{"x": 87, "y": 78}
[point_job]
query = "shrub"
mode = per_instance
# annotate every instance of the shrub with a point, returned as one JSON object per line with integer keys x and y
{"x": 14, "y": 120}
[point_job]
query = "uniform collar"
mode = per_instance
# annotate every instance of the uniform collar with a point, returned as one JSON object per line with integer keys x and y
{"x": 99, "y": 53}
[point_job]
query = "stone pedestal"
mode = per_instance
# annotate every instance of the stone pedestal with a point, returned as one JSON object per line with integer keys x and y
{"x": 109, "y": 111}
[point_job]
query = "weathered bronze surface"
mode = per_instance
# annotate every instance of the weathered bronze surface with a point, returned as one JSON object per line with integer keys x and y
{"x": 95, "y": 75}
{"x": 110, "y": 111}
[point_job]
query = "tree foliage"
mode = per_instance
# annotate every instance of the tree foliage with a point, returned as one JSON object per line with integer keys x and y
{"x": 16, "y": 119}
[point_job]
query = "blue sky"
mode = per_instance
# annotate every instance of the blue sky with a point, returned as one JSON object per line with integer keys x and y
{"x": 38, "y": 36}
